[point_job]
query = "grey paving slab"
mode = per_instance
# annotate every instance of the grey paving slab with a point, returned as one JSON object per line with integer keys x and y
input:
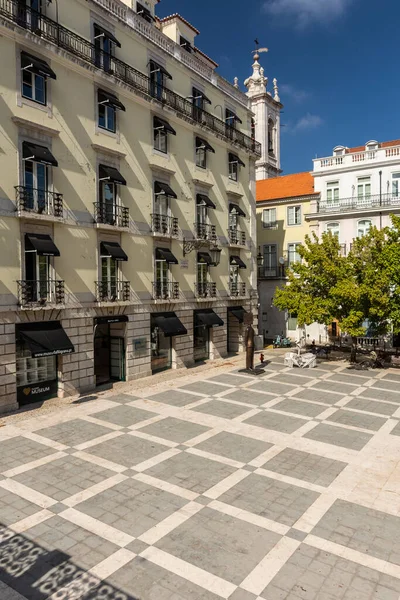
{"x": 328, "y": 385}
{"x": 123, "y": 415}
{"x": 205, "y": 387}
{"x": 236, "y": 447}
{"x": 293, "y": 378}
{"x": 318, "y": 396}
{"x": 13, "y": 508}
{"x": 220, "y": 544}
{"x": 144, "y": 580}
{"x": 392, "y": 377}
{"x": 393, "y": 386}
{"x": 174, "y": 430}
{"x": 396, "y": 430}
{"x": 360, "y": 403}
{"x": 366, "y": 530}
{"x": 313, "y": 574}
{"x": 296, "y": 534}
{"x": 338, "y": 436}
{"x": 219, "y": 408}
{"x": 349, "y": 376}
{"x": 270, "y": 498}
{"x": 327, "y": 366}
{"x": 271, "y": 386}
{"x": 73, "y": 433}
{"x": 123, "y": 398}
{"x": 19, "y": 450}
{"x": 355, "y": 419}
{"x": 240, "y": 594}
{"x": 378, "y": 394}
{"x": 127, "y": 450}
{"x": 132, "y": 506}
{"x": 230, "y": 379}
{"x": 63, "y": 477}
{"x": 174, "y": 397}
{"x": 276, "y": 421}
{"x": 249, "y": 396}
{"x": 85, "y": 549}
{"x": 306, "y": 409}
{"x": 191, "y": 472}
{"x": 305, "y": 466}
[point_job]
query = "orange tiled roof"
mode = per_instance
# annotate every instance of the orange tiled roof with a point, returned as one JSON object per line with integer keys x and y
{"x": 381, "y": 145}
{"x": 287, "y": 186}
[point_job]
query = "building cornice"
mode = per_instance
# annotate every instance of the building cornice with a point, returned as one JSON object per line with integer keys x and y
{"x": 106, "y": 150}
{"x": 307, "y": 198}
{"x": 35, "y": 126}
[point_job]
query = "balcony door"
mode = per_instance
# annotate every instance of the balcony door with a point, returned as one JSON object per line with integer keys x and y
{"x": 162, "y": 212}
{"x": 234, "y": 278}
{"x": 201, "y": 220}
{"x": 108, "y": 194}
{"x": 202, "y": 278}
{"x": 36, "y": 186}
{"x": 103, "y": 49}
{"x": 37, "y": 275}
{"x": 162, "y": 278}
{"x": 364, "y": 191}
{"x": 109, "y": 277}
{"x": 270, "y": 260}
{"x": 332, "y": 194}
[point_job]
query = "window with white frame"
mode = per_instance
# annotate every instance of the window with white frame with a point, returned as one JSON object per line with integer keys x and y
{"x": 294, "y": 215}
{"x": 34, "y": 75}
{"x": 396, "y": 185}
{"x": 293, "y": 253}
{"x": 269, "y": 217}
{"x": 363, "y": 227}
{"x": 334, "y": 228}
{"x": 270, "y": 262}
{"x": 332, "y": 193}
{"x": 109, "y": 276}
{"x": 363, "y": 188}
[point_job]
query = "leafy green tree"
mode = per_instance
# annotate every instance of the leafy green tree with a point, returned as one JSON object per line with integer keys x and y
{"x": 354, "y": 289}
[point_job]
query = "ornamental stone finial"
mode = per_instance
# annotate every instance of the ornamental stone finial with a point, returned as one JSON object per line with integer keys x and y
{"x": 236, "y": 82}
{"x": 276, "y": 91}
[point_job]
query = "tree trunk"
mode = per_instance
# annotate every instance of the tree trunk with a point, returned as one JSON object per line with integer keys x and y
{"x": 353, "y": 355}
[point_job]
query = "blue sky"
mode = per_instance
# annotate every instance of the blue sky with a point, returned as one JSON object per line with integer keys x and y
{"x": 336, "y": 62}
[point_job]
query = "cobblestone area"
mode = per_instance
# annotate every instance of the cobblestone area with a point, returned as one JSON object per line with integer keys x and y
{"x": 282, "y": 488}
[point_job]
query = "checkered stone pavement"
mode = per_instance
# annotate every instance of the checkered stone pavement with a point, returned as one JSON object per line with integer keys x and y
{"x": 284, "y": 487}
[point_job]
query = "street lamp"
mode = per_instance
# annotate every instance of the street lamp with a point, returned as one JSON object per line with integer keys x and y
{"x": 260, "y": 258}
{"x": 215, "y": 254}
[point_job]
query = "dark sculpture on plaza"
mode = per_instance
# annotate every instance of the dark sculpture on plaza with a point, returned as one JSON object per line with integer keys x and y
{"x": 249, "y": 341}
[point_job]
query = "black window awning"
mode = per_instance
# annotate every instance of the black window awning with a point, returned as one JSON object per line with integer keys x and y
{"x": 162, "y": 124}
{"x": 112, "y": 319}
{"x": 198, "y": 94}
{"x": 208, "y": 318}
{"x": 238, "y": 312}
{"x": 36, "y": 65}
{"x": 112, "y": 250}
{"x": 235, "y": 208}
{"x": 205, "y": 200}
{"x": 45, "y": 338}
{"x": 144, "y": 12}
{"x": 170, "y": 324}
{"x": 166, "y": 254}
{"x": 100, "y": 31}
{"x": 39, "y": 154}
{"x": 108, "y": 98}
{"x": 111, "y": 174}
{"x": 154, "y": 67}
{"x": 233, "y": 158}
{"x": 164, "y": 188}
{"x": 201, "y": 143}
{"x": 236, "y": 260}
{"x": 205, "y": 258}
{"x": 40, "y": 243}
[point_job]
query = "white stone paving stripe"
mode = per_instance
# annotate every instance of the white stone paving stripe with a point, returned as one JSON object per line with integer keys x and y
{"x": 315, "y": 512}
{"x": 166, "y": 486}
{"x": 28, "y": 493}
{"x": 216, "y": 457}
{"x": 269, "y": 566}
{"x": 150, "y": 421}
{"x": 366, "y": 560}
{"x": 308, "y": 426}
{"x": 170, "y": 523}
{"x": 226, "y": 484}
{"x": 109, "y": 565}
{"x": 95, "y": 489}
{"x": 40, "y": 439}
{"x": 249, "y": 517}
{"x": 202, "y": 437}
{"x": 247, "y": 415}
{"x": 152, "y": 438}
{"x": 156, "y": 460}
{"x": 111, "y": 534}
{"x": 100, "y": 462}
{"x": 260, "y": 460}
{"x": 103, "y": 438}
{"x": 212, "y": 583}
{"x": 28, "y": 522}
{"x": 101, "y": 422}
{"x": 34, "y": 464}
{"x": 290, "y": 480}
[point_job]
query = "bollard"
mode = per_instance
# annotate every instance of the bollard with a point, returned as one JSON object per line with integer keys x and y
{"x": 261, "y": 358}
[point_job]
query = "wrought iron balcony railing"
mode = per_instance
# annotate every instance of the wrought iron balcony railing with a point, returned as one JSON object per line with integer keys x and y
{"x": 41, "y": 292}
{"x": 40, "y": 202}
{"x": 236, "y": 237}
{"x": 358, "y": 203}
{"x": 237, "y": 288}
{"x": 106, "y": 214}
{"x": 270, "y": 224}
{"x": 81, "y": 48}
{"x": 164, "y": 225}
{"x": 165, "y": 290}
{"x": 109, "y": 290}
{"x": 206, "y": 290}
{"x": 207, "y": 232}
{"x": 271, "y": 272}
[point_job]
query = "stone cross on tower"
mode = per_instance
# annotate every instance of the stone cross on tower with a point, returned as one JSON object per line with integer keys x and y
{"x": 267, "y": 109}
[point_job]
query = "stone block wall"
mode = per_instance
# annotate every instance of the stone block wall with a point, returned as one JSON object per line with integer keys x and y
{"x": 183, "y": 345}
{"x": 138, "y": 360}
{"x": 76, "y": 370}
{"x": 8, "y": 386}
{"x": 218, "y": 336}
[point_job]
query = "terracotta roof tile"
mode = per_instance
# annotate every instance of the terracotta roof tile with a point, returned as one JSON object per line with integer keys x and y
{"x": 287, "y": 186}
{"x": 381, "y": 145}
{"x": 180, "y": 18}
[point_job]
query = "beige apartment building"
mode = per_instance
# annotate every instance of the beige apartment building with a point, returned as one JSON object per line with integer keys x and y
{"x": 127, "y": 198}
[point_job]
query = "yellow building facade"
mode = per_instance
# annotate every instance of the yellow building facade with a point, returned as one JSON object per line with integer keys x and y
{"x": 127, "y": 202}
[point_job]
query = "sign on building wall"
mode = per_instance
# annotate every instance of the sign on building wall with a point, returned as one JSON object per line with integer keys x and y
{"x": 140, "y": 346}
{"x": 37, "y": 392}
{"x": 184, "y": 264}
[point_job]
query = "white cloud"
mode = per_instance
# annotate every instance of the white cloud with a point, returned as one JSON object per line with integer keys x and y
{"x": 306, "y": 123}
{"x": 290, "y": 91}
{"x": 307, "y": 11}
